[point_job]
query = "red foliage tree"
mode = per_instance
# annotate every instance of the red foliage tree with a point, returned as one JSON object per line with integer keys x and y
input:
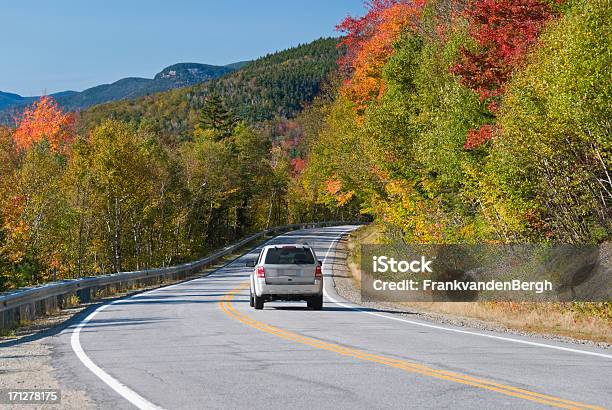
{"x": 504, "y": 30}
{"x": 45, "y": 120}
{"x": 476, "y": 138}
{"x": 298, "y": 165}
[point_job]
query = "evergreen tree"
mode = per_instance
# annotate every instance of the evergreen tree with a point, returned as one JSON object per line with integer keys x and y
{"x": 214, "y": 116}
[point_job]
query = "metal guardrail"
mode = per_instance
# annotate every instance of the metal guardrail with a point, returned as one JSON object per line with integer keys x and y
{"x": 28, "y": 303}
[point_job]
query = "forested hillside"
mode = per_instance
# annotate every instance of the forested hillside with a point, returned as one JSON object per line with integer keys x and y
{"x": 279, "y": 84}
{"x": 116, "y": 199}
{"x": 477, "y": 120}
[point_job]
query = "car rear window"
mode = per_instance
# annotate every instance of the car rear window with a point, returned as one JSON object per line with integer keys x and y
{"x": 289, "y": 256}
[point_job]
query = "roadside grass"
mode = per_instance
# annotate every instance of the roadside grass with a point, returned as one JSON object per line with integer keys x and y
{"x": 579, "y": 320}
{"x": 7, "y": 333}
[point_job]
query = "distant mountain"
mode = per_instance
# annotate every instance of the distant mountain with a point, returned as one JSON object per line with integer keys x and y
{"x": 185, "y": 74}
{"x": 8, "y": 100}
{"x": 238, "y": 65}
{"x": 175, "y": 76}
{"x": 277, "y": 85}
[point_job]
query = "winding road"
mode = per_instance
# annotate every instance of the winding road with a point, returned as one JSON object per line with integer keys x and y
{"x": 198, "y": 344}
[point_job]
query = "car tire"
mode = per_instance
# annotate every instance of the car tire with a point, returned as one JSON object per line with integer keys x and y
{"x": 251, "y": 300}
{"x": 316, "y": 302}
{"x": 258, "y": 302}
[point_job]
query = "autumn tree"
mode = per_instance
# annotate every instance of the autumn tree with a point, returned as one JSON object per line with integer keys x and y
{"x": 44, "y": 120}
{"x": 124, "y": 187}
{"x": 368, "y": 41}
{"x": 502, "y": 32}
{"x": 8, "y": 205}
{"x": 550, "y": 168}
{"x": 212, "y": 183}
{"x": 34, "y": 213}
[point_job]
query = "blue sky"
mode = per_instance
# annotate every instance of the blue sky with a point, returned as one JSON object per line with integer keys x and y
{"x": 51, "y": 46}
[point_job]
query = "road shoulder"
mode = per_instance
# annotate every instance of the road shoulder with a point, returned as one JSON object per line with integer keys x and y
{"x": 28, "y": 366}
{"x": 347, "y": 286}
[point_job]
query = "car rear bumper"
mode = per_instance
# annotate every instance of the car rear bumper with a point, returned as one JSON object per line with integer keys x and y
{"x": 263, "y": 289}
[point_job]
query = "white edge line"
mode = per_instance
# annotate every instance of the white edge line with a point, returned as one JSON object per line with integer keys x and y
{"x": 448, "y": 329}
{"x": 124, "y": 391}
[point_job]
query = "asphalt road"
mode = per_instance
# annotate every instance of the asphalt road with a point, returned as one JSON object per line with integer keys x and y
{"x": 198, "y": 345}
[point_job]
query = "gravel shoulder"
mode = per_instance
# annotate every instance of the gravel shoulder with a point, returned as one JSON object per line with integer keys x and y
{"x": 347, "y": 287}
{"x": 28, "y": 366}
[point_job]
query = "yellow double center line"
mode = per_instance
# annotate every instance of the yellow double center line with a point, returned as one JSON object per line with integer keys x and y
{"x": 227, "y": 307}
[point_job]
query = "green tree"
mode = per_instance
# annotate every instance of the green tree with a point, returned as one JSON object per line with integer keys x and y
{"x": 550, "y": 167}
{"x": 128, "y": 197}
{"x": 36, "y": 217}
{"x": 212, "y": 182}
{"x": 257, "y": 179}
{"x": 216, "y": 117}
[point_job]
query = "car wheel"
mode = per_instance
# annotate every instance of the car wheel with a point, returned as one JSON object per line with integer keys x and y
{"x": 251, "y": 300}
{"x": 258, "y": 302}
{"x": 316, "y": 303}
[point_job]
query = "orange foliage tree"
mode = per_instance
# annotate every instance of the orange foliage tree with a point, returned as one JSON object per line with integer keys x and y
{"x": 45, "y": 120}
{"x": 369, "y": 44}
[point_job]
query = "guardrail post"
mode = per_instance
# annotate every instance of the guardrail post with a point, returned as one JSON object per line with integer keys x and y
{"x": 27, "y": 312}
{"x": 84, "y": 295}
{"x": 66, "y": 300}
{"x": 50, "y": 305}
{"x": 12, "y": 318}
{"x": 7, "y": 319}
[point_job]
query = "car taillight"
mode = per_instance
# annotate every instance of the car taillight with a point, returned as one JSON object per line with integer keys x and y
{"x": 318, "y": 272}
{"x": 261, "y": 272}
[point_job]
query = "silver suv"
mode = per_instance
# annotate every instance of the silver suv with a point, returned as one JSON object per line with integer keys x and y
{"x": 286, "y": 272}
